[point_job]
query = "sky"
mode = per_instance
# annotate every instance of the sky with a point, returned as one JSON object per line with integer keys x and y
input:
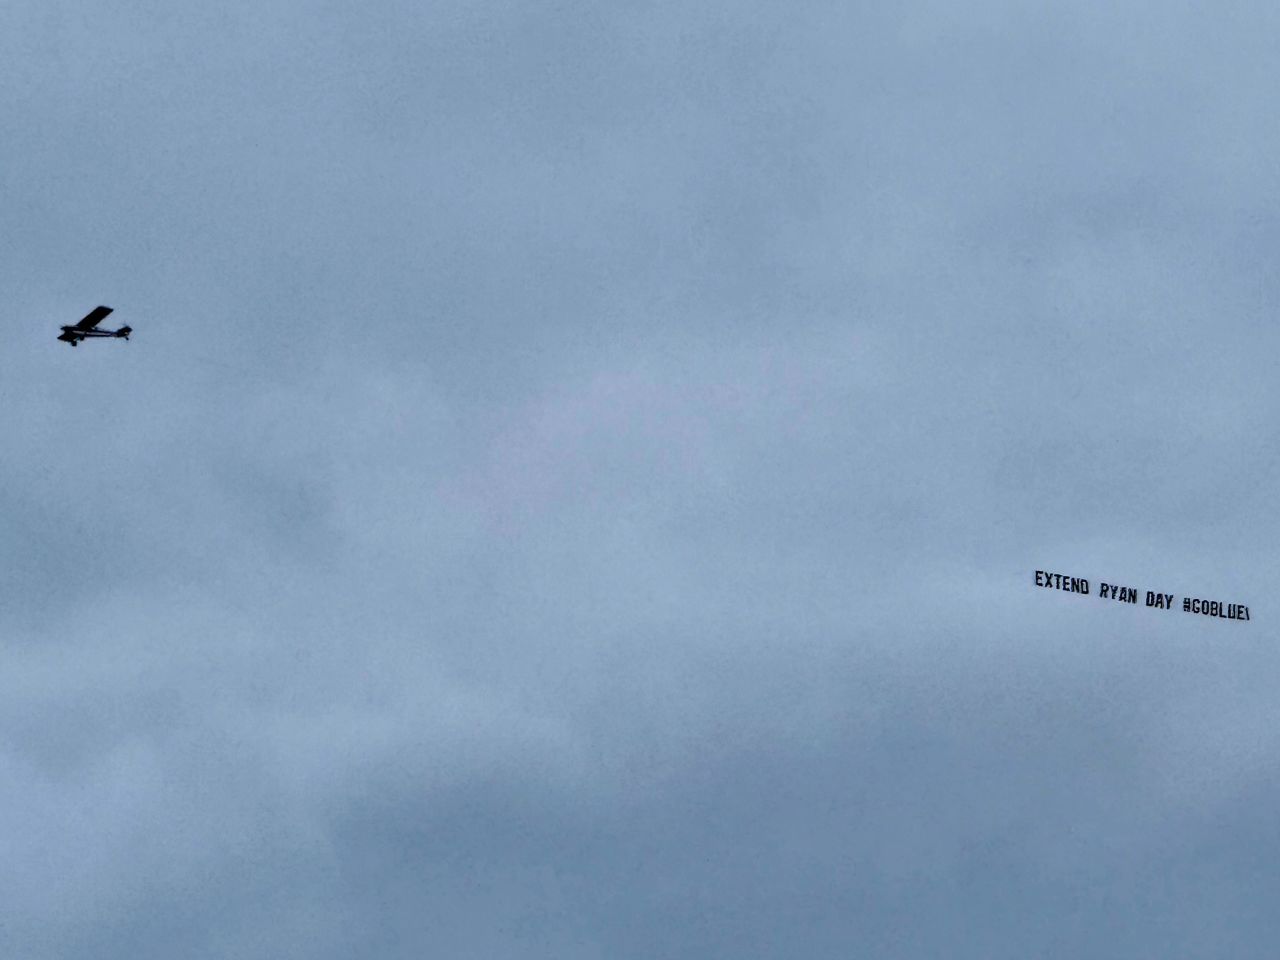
{"x": 576, "y": 483}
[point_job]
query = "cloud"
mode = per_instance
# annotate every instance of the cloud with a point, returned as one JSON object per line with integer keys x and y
{"x": 575, "y": 483}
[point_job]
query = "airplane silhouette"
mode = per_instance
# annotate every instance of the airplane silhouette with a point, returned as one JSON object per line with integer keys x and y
{"x": 88, "y": 327}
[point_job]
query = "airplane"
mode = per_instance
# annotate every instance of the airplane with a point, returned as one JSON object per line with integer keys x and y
{"x": 88, "y": 327}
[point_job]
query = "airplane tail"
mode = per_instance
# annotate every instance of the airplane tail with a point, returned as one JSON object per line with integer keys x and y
{"x": 124, "y": 332}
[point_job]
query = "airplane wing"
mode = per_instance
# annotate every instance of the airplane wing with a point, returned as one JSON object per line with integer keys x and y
{"x": 93, "y": 318}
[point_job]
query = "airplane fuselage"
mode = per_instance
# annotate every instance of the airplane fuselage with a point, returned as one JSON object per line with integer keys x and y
{"x": 72, "y": 336}
{"x": 83, "y": 334}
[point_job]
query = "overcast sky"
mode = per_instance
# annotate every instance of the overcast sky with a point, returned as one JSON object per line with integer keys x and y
{"x": 575, "y": 486}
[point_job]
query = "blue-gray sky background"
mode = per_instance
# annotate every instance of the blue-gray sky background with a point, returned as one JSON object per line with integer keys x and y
{"x": 575, "y": 485}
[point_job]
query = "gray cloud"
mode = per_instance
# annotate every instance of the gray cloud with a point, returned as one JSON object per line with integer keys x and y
{"x": 574, "y": 487}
